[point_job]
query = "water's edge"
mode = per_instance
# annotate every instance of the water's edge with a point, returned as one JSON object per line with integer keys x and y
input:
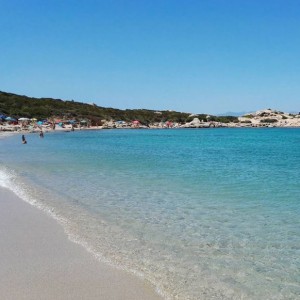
{"x": 9, "y": 180}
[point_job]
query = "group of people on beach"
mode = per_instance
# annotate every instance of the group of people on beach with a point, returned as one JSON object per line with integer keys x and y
{"x": 24, "y": 139}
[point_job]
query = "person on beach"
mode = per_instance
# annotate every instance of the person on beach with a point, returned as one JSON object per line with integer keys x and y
{"x": 23, "y": 139}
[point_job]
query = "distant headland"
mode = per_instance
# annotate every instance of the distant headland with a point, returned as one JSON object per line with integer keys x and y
{"x": 19, "y": 112}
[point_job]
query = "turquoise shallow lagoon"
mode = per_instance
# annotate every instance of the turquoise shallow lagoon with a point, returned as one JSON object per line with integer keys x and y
{"x": 201, "y": 214}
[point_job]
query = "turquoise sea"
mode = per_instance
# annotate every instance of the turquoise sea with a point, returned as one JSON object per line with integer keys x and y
{"x": 199, "y": 213}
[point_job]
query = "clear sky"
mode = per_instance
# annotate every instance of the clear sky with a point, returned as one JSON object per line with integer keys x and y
{"x": 209, "y": 56}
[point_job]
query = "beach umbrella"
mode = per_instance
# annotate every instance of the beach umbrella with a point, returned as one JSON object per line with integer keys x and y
{"x": 40, "y": 123}
{"x": 10, "y": 119}
{"x": 34, "y": 119}
{"x": 135, "y": 122}
{"x": 23, "y": 119}
{"x": 2, "y": 117}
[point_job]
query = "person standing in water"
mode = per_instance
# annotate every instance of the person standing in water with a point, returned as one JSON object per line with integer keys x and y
{"x": 23, "y": 139}
{"x": 41, "y": 134}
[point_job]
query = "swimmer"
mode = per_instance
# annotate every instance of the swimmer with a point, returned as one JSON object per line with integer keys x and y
{"x": 23, "y": 139}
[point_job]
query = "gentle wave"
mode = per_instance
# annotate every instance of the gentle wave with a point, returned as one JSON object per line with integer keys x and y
{"x": 10, "y": 180}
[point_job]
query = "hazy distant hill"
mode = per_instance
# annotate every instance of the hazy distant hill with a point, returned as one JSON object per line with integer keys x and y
{"x": 235, "y": 114}
{"x": 41, "y": 108}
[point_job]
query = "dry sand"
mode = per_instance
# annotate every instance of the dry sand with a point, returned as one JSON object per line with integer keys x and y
{"x": 37, "y": 261}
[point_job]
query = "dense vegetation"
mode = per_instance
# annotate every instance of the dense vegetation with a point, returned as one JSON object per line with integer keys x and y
{"x": 21, "y": 106}
{"x": 268, "y": 120}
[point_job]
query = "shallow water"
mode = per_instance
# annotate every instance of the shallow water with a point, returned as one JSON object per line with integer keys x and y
{"x": 201, "y": 214}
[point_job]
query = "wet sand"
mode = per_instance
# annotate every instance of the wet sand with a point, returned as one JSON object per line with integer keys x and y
{"x": 38, "y": 261}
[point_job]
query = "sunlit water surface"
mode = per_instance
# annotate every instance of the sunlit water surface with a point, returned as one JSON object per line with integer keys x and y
{"x": 201, "y": 214}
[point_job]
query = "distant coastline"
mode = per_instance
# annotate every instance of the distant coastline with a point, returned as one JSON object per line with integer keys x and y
{"x": 25, "y": 114}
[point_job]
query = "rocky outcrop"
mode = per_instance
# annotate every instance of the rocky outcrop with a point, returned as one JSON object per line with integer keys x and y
{"x": 270, "y": 118}
{"x": 196, "y": 123}
{"x": 261, "y": 118}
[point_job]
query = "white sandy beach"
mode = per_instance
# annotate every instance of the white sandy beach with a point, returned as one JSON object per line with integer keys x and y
{"x": 38, "y": 261}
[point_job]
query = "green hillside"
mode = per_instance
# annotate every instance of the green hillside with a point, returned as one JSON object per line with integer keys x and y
{"x": 41, "y": 108}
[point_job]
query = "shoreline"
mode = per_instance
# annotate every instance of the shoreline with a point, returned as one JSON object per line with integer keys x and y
{"x": 39, "y": 261}
{"x": 267, "y": 118}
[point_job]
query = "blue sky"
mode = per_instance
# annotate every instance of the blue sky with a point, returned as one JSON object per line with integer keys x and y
{"x": 199, "y": 56}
